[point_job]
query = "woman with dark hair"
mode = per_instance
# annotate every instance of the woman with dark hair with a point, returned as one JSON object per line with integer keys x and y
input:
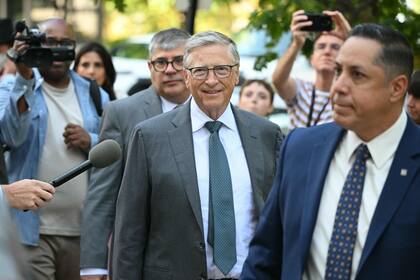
{"x": 94, "y": 62}
{"x": 256, "y": 96}
{"x": 413, "y": 97}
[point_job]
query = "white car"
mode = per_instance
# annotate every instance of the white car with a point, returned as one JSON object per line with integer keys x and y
{"x": 130, "y": 62}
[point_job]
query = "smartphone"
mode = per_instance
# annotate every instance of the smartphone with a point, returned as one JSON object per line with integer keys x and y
{"x": 320, "y": 22}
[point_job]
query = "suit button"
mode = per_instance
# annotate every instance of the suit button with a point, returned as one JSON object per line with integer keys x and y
{"x": 203, "y": 276}
{"x": 201, "y": 245}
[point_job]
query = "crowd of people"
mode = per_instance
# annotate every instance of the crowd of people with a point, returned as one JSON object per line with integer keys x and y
{"x": 206, "y": 189}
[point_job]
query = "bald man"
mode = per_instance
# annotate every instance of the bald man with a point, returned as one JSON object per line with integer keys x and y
{"x": 50, "y": 122}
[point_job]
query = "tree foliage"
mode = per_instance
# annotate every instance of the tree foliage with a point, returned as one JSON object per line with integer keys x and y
{"x": 274, "y": 16}
{"x": 120, "y": 4}
{"x": 142, "y": 17}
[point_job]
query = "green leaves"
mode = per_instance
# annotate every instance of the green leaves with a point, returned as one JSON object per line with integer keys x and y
{"x": 119, "y": 4}
{"x": 274, "y": 16}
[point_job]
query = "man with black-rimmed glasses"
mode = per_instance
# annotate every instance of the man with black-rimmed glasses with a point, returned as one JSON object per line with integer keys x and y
{"x": 167, "y": 91}
{"x": 196, "y": 178}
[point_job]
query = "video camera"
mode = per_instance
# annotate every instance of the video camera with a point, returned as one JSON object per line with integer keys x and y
{"x": 39, "y": 52}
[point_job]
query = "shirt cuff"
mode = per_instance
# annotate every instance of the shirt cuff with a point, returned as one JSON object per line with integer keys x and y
{"x": 93, "y": 271}
{"x": 23, "y": 87}
{"x": 93, "y": 139}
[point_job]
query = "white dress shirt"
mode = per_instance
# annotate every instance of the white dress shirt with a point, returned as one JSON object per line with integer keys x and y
{"x": 382, "y": 150}
{"x": 167, "y": 105}
{"x": 245, "y": 218}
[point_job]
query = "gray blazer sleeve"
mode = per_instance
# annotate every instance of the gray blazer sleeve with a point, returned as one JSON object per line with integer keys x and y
{"x": 99, "y": 208}
{"x": 12, "y": 262}
{"x": 132, "y": 215}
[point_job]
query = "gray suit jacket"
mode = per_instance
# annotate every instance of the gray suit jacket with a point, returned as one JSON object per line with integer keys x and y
{"x": 12, "y": 262}
{"x": 118, "y": 121}
{"x": 158, "y": 225}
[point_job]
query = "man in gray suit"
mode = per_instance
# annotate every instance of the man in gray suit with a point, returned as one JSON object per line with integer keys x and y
{"x": 167, "y": 91}
{"x": 196, "y": 178}
{"x": 12, "y": 264}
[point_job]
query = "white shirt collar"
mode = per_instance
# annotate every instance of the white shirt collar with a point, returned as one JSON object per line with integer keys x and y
{"x": 383, "y": 146}
{"x": 199, "y": 118}
{"x": 168, "y": 105}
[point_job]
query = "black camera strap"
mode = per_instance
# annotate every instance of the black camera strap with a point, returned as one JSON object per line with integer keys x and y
{"x": 311, "y": 109}
{"x": 95, "y": 94}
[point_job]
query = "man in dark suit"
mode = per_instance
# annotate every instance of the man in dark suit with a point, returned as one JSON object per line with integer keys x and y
{"x": 167, "y": 91}
{"x": 344, "y": 204}
{"x": 196, "y": 178}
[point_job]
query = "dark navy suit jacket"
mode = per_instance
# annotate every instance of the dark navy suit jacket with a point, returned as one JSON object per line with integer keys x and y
{"x": 281, "y": 244}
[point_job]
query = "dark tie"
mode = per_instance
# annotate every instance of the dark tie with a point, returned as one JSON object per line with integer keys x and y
{"x": 221, "y": 226}
{"x": 343, "y": 238}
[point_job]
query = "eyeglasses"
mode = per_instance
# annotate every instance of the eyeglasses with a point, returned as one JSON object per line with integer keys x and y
{"x": 161, "y": 64}
{"x": 221, "y": 71}
{"x": 52, "y": 42}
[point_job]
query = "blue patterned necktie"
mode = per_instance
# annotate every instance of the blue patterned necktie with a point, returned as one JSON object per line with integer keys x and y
{"x": 343, "y": 238}
{"x": 221, "y": 226}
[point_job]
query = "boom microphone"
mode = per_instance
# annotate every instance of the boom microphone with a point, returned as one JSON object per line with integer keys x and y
{"x": 101, "y": 155}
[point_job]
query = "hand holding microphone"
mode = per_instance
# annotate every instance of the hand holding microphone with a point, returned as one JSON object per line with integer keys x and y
{"x": 101, "y": 155}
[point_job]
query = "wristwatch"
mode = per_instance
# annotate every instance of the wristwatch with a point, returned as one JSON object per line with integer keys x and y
{"x": 13, "y": 55}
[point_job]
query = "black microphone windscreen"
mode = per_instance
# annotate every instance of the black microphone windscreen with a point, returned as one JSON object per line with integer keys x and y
{"x": 20, "y": 26}
{"x": 104, "y": 153}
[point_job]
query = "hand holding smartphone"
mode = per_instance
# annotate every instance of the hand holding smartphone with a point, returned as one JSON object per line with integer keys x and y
{"x": 320, "y": 22}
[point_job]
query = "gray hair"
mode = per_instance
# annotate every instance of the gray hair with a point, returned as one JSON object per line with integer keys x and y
{"x": 168, "y": 39}
{"x": 209, "y": 38}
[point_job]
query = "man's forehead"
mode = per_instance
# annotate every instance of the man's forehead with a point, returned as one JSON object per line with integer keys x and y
{"x": 329, "y": 38}
{"x": 360, "y": 45}
{"x": 220, "y": 51}
{"x": 161, "y": 53}
{"x": 57, "y": 28}
{"x": 358, "y": 51}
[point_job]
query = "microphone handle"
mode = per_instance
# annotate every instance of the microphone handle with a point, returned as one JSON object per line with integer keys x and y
{"x": 70, "y": 174}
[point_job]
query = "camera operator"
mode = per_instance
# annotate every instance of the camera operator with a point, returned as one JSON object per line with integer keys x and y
{"x": 50, "y": 122}
{"x": 308, "y": 103}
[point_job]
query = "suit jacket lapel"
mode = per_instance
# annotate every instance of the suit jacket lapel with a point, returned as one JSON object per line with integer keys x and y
{"x": 154, "y": 106}
{"x": 254, "y": 157}
{"x": 182, "y": 147}
{"x": 319, "y": 163}
{"x": 394, "y": 189}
